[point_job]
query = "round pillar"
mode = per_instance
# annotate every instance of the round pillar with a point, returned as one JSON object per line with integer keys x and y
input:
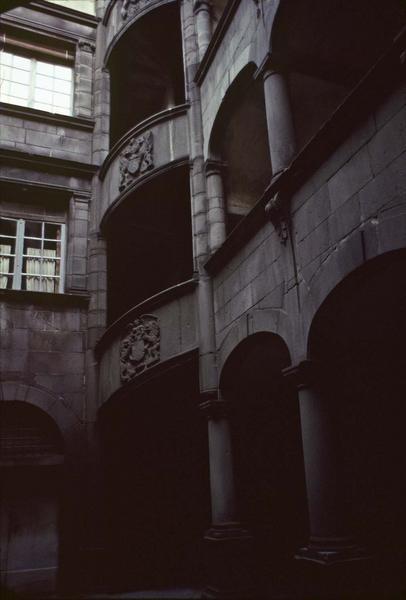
{"x": 281, "y": 132}
{"x": 330, "y": 540}
{"x": 216, "y": 214}
{"x": 229, "y": 556}
{"x": 202, "y": 11}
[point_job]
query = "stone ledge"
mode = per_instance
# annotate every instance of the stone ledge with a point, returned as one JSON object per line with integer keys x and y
{"x": 80, "y": 300}
{"x": 24, "y": 112}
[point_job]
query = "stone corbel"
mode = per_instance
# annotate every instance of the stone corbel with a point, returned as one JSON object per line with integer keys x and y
{"x": 87, "y": 46}
{"x": 277, "y": 211}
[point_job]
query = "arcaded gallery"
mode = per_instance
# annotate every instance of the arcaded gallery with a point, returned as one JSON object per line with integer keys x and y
{"x": 202, "y": 299}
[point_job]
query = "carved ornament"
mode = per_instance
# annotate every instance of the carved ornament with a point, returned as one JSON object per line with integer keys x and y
{"x": 130, "y": 8}
{"x": 140, "y": 348}
{"x": 136, "y": 159}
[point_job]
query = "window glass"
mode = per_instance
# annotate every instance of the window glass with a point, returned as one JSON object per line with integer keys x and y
{"x": 31, "y": 255}
{"x": 36, "y": 84}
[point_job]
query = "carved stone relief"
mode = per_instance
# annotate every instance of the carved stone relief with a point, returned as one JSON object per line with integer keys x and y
{"x": 130, "y": 8}
{"x": 140, "y": 348}
{"x": 136, "y": 159}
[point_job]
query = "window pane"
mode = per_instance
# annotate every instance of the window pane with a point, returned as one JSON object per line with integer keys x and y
{"x": 63, "y": 111}
{"x": 41, "y": 106}
{"x": 62, "y": 100}
{"x": 7, "y": 245}
{"x": 8, "y": 227}
{"x": 63, "y": 87}
{"x": 43, "y": 96}
{"x": 32, "y": 247}
{"x": 5, "y": 72}
{"x": 18, "y": 90}
{"x": 5, "y": 58}
{"x": 19, "y": 62}
{"x": 33, "y": 229}
{"x": 20, "y": 76}
{"x": 46, "y": 83}
{"x": 63, "y": 72}
{"x": 44, "y": 68}
{"x": 52, "y": 231}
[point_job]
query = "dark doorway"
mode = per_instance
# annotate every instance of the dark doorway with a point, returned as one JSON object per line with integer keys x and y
{"x": 268, "y": 456}
{"x": 157, "y": 491}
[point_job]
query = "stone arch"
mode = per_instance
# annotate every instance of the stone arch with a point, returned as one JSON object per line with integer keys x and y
{"x": 273, "y": 320}
{"x": 144, "y": 79}
{"x": 239, "y": 140}
{"x": 266, "y": 448}
{"x": 357, "y": 339}
{"x": 382, "y": 234}
{"x": 322, "y": 62}
{"x": 50, "y": 403}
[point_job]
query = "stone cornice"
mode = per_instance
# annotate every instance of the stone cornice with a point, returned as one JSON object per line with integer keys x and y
{"x": 49, "y": 163}
{"x": 387, "y": 72}
{"x": 23, "y": 112}
{"x": 64, "y": 12}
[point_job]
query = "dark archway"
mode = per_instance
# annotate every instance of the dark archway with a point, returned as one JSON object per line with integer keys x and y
{"x": 326, "y": 47}
{"x": 268, "y": 456}
{"x": 240, "y": 141}
{"x": 149, "y": 241}
{"x": 31, "y": 455}
{"x": 157, "y": 499}
{"x": 146, "y": 70}
{"x": 357, "y": 338}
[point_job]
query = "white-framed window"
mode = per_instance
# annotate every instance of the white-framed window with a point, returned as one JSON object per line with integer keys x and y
{"x": 32, "y": 255}
{"x": 35, "y": 83}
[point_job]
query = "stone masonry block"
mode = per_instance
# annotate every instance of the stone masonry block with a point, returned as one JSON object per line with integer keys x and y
{"x": 350, "y": 179}
{"x": 12, "y": 134}
{"x": 389, "y": 142}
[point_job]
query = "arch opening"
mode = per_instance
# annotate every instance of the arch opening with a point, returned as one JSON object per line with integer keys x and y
{"x": 149, "y": 245}
{"x": 326, "y": 47}
{"x": 268, "y": 455}
{"x": 157, "y": 498}
{"x": 240, "y": 140}
{"x": 146, "y": 70}
{"x": 357, "y": 337}
{"x": 31, "y": 452}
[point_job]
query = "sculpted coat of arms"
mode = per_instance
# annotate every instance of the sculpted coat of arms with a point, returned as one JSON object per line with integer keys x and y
{"x": 136, "y": 159}
{"x": 130, "y": 8}
{"x": 140, "y": 348}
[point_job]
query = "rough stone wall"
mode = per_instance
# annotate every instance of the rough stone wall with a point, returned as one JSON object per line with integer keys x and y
{"x": 45, "y": 139}
{"x": 351, "y": 209}
{"x": 44, "y": 345}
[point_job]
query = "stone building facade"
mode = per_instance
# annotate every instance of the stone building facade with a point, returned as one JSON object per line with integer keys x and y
{"x": 202, "y": 258}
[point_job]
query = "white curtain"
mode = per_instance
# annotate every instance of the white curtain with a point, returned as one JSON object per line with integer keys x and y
{"x": 4, "y": 265}
{"x": 48, "y": 270}
{"x": 41, "y": 271}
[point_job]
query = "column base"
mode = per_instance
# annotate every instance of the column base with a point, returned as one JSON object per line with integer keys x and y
{"x": 229, "y": 559}
{"x": 332, "y": 551}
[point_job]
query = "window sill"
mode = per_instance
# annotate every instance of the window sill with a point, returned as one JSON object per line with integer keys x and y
{"x": 24, "y": 112}
{"x": 80, "y": 299}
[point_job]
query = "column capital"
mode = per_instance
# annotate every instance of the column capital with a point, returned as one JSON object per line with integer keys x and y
{"x": 269, "y": 65}
{"x": 303, "y": 374}
{"x": 199, "y": 5}
{"x": 212, "y": 166}
{"x": 213, "y": 406}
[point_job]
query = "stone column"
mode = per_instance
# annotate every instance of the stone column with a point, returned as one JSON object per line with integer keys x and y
{"x": 216, "y": 214}
{"x": 330, "y": 540}
{"x": 202, "y": 12}
{"x": 229, "y": 542}
{"x": 281, "y": 133}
